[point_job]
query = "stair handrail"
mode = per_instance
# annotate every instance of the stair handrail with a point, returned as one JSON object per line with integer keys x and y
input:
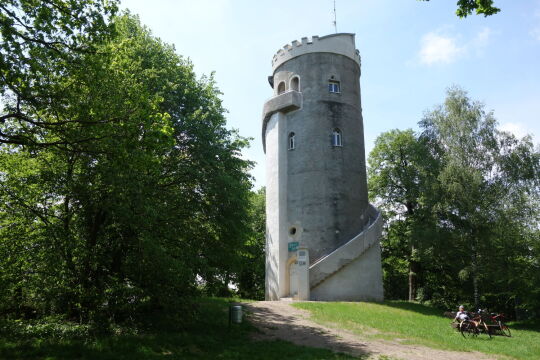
{"x": 371, "y": 220}
{"x": 318, "y": 277}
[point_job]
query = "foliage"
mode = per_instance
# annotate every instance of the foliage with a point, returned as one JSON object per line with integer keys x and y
{"x": 250, "y": 278}
{"x": 130, "y": 191}
{"x": 206, "y": 337}
{"x": 490, "y": 182}
{"x": 420, "y": 324}
{"x": 400, "y": 169}
{"x": 466, "y": 7}
{"x": 461, "y": 202}
{"x": 41, "y": 42}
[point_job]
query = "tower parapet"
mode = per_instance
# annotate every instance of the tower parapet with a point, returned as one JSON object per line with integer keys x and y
{"x": 342, "y": 43}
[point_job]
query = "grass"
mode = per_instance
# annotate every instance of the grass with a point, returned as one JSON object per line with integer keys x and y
{"x": 207, "y": 338}
{"x": 419, "y": 324}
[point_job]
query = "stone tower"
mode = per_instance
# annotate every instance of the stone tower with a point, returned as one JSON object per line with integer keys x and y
{"x": 322, "y": 233}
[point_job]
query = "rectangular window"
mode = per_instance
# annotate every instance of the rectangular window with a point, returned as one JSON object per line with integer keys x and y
{"x": 333, "y": 86}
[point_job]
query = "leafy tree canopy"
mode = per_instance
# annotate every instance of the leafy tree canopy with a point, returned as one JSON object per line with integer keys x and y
{"x": 121, "y": 189}
{"x": 461, "y": 202}
{"x": 42, "y": 41}
{"x": 467, "y": 7}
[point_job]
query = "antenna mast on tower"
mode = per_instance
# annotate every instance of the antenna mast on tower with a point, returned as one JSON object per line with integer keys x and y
{"x": 335, "y": 19}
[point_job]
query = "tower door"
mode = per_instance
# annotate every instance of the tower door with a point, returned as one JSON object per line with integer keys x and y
{"x": 293, "y": 279}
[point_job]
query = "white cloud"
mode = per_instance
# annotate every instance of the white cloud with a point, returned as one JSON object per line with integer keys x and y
{"x": 535, "y": 30}
{"x": 520, "y": 115}
{"x": 480, "y": 41}
{"x": 535, "y": 33}
{"x": 518, "y": 129}
{"x": 439, "y": 48}
{"x": 482, "y": 38}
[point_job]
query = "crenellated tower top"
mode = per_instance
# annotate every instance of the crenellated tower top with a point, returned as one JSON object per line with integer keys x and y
{"x": 342, "y": 43}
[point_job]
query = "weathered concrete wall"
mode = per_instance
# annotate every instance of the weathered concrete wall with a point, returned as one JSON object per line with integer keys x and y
{"x": 286, "y": 102}
{"x": 317, "y": 192}
{"x": 276, "y": 199}
{"x": 322, "y": 269}
{"x": 327, "y": 192}
{"x": 359, "y": 281}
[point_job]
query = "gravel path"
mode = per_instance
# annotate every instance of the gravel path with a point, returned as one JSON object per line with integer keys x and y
{"x": 280, "y": 320}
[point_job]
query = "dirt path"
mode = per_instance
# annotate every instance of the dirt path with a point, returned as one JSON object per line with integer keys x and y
{"x": 279, "y": 320}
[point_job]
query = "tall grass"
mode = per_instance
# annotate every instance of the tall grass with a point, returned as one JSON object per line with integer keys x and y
{"x": 419, "y": 324}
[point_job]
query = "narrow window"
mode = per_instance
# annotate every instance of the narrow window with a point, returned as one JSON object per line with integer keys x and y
{"x": 333, "y": 86}
{"x": 291, "y": 141}
{"x": 295, "y": 83}
{"x": 281, "y": 88}
{"x": 336, "y": 137}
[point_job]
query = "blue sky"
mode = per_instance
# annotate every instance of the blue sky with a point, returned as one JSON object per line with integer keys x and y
{"x": 411, "y": 52}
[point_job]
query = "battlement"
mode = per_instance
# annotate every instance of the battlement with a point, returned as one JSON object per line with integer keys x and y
{"x": 342, "y": 43}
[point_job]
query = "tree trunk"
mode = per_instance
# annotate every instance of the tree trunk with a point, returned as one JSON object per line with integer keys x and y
{"x": 413, "y": 280}
{"x": 474, "y": 266}
{"x": 414, "y": 266}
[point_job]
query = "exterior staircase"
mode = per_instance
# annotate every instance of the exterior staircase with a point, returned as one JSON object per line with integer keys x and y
{"x": 342, "y": 256}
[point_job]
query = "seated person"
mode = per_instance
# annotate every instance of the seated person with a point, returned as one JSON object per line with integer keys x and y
{"x": 461, "y": 315}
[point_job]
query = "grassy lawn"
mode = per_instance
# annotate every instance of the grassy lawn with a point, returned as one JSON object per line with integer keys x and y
{"x": 419, "y": 324}
{"x": 207, "y": 338}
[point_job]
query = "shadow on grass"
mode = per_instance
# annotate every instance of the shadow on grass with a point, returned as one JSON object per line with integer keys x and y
{"x": 208, "y": 337}
{"x": 418, "y": 308}
{"x": 276, "y": 323}
{"x": 529, "y": 325}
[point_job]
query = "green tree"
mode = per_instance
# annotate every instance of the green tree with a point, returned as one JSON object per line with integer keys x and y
{"x": 489, "y": 179}
{"x": 154, "y": 198}
{"x": 401, "y": 181}
{"x": 467, "y": 7}
{"x": 251, "y": 275}
{"x": 460, "y": 201}
{"x": 41, "y": 42}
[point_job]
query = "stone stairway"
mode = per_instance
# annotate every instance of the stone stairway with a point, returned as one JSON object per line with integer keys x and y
{"x": 337, "y": 259}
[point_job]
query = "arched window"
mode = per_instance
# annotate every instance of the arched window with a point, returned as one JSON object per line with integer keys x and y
{"x": 291, "y": 141}
{"x": 295, "y": 83}
{"x": 281, "y": 88}
{"x": 336, "y": 137}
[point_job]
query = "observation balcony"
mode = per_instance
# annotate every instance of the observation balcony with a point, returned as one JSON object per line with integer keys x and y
{"x": 286, "y": 102}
